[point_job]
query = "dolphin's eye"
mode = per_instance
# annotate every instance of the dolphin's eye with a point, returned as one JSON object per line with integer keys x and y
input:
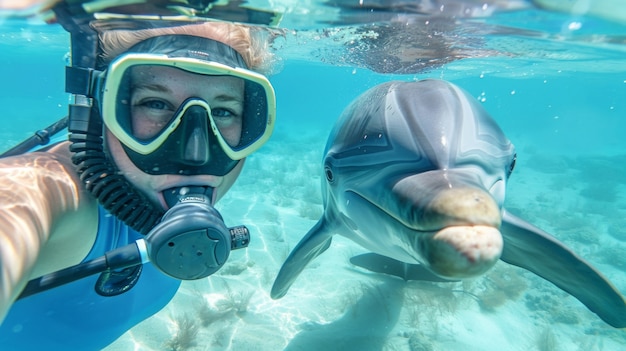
{"x": 512, "y": 166}
{"x": 329, "y": 174}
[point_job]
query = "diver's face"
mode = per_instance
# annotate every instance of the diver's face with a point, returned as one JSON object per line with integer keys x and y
{"x": 156, "y": 93}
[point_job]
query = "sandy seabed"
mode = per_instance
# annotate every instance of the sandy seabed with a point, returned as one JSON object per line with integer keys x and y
{"x": 336, "y": 306}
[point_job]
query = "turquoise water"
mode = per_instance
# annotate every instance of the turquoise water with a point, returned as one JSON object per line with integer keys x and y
{"x": 32, "y": 92}
{"x": 558, "y": 93}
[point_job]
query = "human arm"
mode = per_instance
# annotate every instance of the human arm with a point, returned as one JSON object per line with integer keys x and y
{"x": 47, "y": 221}
{"x": 27, "y": 7}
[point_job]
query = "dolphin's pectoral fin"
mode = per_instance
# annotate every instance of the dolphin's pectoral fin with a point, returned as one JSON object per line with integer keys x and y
{"x": 316, "y": 241}
{"x": 407, "y": 271}
{"x": 529, "y": 247}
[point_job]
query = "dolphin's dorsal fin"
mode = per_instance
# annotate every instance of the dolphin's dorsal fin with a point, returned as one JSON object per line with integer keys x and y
{"x": 316, "y": 241}
{"x": 529, "y": 247}
{"x": 407, "y": 271}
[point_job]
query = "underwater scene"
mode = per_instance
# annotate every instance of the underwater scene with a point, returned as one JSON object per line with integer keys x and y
{"x": 555, "y": 82}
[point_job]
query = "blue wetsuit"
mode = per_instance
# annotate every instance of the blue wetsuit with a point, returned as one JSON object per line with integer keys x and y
{"x": 74, "y": 317}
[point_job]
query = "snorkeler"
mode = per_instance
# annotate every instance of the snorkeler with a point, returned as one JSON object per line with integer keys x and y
{"x": 163, "y": 117}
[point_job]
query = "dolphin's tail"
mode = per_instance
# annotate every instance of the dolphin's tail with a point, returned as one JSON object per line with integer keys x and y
{"x": 529, "y": 247}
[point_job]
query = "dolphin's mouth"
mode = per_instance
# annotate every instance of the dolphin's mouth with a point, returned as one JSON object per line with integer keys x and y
{"x": 434, "y": 211}
{"x": 454, "y": 230}
{"x": 462, "y": 251}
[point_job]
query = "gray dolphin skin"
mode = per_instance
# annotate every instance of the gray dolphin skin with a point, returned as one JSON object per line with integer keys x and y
{"x": 416, "y": 173}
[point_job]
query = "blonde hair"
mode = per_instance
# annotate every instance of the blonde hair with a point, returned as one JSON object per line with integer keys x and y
{"x": 247, "y": 41}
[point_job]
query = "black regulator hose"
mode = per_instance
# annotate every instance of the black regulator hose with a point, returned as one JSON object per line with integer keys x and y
{"x": 121, "y": 258}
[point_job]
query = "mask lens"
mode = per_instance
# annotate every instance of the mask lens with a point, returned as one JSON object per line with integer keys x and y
{"x": 255, "y": 124}
{"x": 151, "y": 98}
{"x": 151, "y": 108}
{"x": 143, "y": 110}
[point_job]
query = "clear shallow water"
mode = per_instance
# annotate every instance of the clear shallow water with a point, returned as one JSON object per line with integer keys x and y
{"x": 559, "y": 95}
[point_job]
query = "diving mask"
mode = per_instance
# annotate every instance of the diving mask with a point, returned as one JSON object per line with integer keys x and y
{"x": 163, "y": 131}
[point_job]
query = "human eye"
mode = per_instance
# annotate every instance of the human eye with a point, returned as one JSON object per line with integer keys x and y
{"x": 223, "y": 113}
{"x": 149, "y": 116}
{"x": 226, "y": 117}
{"x": 155, "y": 104}
{"x": 158, "y": 110}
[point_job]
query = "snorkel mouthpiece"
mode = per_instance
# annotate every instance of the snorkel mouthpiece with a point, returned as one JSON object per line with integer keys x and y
{"x": 192, "y": 241}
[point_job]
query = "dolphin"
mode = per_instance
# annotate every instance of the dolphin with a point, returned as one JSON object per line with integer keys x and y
{"x": 416, "y": 173}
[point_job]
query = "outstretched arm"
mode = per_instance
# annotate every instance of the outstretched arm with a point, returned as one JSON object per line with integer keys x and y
{"x": 26, "y": 7}
{"x": 42, "y": 204}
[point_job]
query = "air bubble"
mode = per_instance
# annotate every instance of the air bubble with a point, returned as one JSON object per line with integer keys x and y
{"x": 574, "y": 26}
